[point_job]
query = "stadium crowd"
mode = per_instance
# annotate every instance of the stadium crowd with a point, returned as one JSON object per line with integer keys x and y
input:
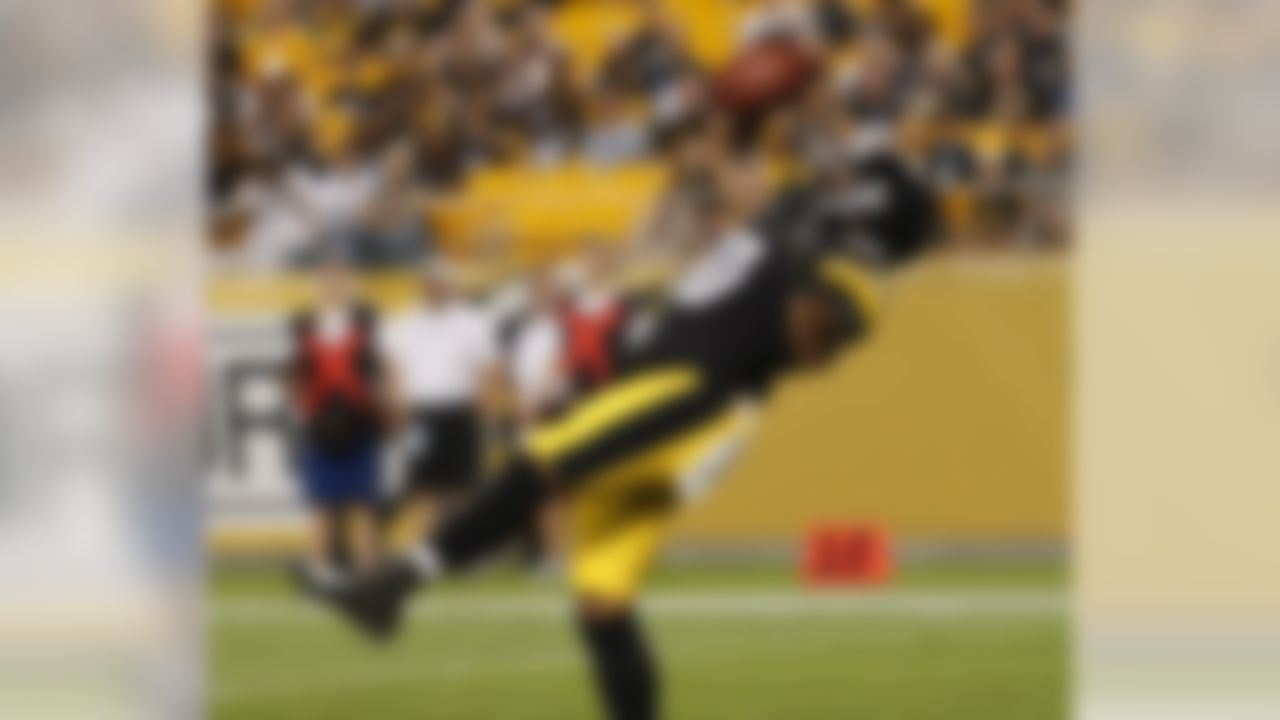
{"x": 350, "y": 124}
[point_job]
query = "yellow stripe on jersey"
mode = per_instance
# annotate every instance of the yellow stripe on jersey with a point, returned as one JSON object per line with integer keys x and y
{"x": 607, "y": 410}
{"x": 613, "y": 539}
{"x": 856, "y": 284}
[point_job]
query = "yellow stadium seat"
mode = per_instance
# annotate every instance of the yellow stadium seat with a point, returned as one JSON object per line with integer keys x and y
{"x": 710, "y": 27}
{"x": 240, "y": 10}
{"x": 959, "y": 208}
{"x": 589, "y": 30}
{"x": 333, "y": 130}
{"x": 952, "y": 18}
{"x": 289, "y": 51}
{"x": 990, "y": 140}
{"x": 550, "y": 211}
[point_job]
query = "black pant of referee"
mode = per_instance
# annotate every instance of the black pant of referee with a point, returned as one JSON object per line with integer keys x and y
{"x": 444, "y": 462}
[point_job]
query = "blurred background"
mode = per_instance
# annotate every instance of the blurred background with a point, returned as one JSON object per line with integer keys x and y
{"x": 510, "y": 135}
{"x": 1172, "y": 357}
{"x": 510, "y": 131}
{"x": 512, "y": 138}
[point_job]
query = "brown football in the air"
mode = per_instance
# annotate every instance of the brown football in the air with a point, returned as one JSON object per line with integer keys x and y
{"x": 764, "y": 76}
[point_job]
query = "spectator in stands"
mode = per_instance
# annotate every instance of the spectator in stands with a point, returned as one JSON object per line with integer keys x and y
{"x": 439, "y": 147}
{"x": 941, "y": 82}
{"x": 471, "y": 52}
{"x": 837, "y": 22}
{"x": 268, "y": 223}
{"x": 338, "y": 194}
{"x": 1046, "y": 58}
{"x": 276, "y": 120}
{"x": 393, "y": 90}
{"x": 228, "y": 162}
{"x": 328, "y": 91}
{"x": 228, "y": 147}
{"x": 1008, "y": 93}
{"x": 906, "y": 25}
{"x": 653, "y": 55}
{"x": 1002, "y": 207}
{"x": 394, "y": 231}
{"x": 950, "y": 162}
{"x": 337, "y": 389}
{"x": 682, "y": 101}
{"x": 446, "y": 364}
{"x": 991, "y": 22}
{"x": 1017, "y": 61}
{"x": 430, "y": 19}
{"x": 820, "y": 127}
{"x": 1048, "y": 187}
{"x": 534, "y": 95}
{"x": 614, "y": 134}
{"x": 878, "y": 88}
{"x": 275, "y": 43}
{"x": 483, "y": 142}
{"x": 823, "y": 25}
{"x": 795, "y": 20}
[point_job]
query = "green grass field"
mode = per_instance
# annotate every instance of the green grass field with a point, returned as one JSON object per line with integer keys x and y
{"x": 737, "y": 644}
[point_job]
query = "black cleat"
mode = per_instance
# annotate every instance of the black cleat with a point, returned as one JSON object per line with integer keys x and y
{"x": 376, "y": 604}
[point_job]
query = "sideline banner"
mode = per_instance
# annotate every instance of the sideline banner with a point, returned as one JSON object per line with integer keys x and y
{"x": 247, "y": 433}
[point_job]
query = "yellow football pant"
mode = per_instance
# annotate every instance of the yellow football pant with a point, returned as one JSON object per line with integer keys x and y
{"x": 627, "y": 457}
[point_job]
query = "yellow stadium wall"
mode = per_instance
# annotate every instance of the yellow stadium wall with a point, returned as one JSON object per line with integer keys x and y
{"x": 952, "y": 425}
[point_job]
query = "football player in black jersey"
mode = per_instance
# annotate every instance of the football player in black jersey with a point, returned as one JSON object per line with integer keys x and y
{"x": 755, "y": 301}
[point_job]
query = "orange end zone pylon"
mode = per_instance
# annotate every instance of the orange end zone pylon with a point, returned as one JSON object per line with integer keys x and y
{"x": 843, "y": 554}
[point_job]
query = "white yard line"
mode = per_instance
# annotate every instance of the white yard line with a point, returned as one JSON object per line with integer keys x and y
{"x": 762, "y": 605}
{"x": 269, "y": 689}
{"x": 696, "y": 604}
{"x": 354, "y": 679}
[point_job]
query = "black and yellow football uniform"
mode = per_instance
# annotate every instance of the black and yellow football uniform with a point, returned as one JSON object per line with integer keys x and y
{"x": 625, "y": 457}
{"x": 757, "y": 302}
{"x": 692, "y": 374}
{"x": 684, "y": 406}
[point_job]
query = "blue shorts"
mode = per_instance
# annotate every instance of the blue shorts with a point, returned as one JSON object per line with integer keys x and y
{"x": 338, "y": 478}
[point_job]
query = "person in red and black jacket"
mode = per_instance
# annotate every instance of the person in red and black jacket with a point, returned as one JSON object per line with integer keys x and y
{"x": 337, "y": 388}
{"x": 593, "y": 323}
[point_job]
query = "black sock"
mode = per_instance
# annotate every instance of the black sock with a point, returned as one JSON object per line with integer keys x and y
{"x": 503, "y": 510}
{"x": 532, "y": 548}
{"x": 623, "y": 666}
